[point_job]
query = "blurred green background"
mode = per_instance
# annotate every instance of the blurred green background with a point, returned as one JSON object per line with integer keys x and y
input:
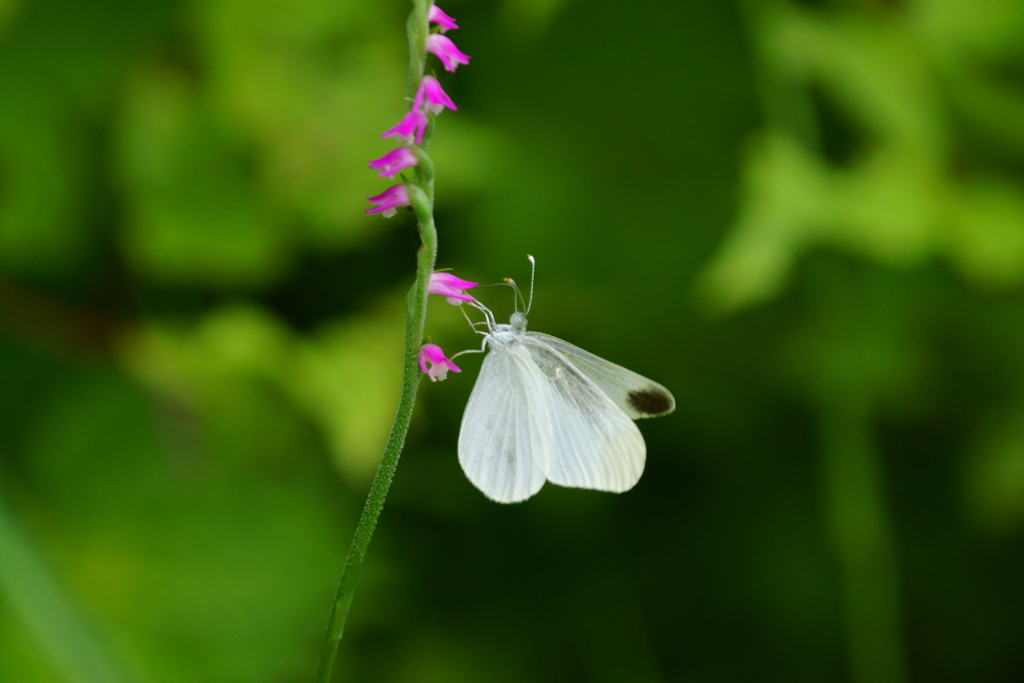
{"x": 804, "y": 218}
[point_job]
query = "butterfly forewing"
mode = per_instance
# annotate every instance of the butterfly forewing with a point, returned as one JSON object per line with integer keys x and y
{"x": 506, "y": 438}
{"x": 634, "y": 394}
{"x": 595, "y": 444}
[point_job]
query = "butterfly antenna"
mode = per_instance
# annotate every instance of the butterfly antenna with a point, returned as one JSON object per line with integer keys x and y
{"x": 533, "y": 272}
{"x": 519, "y": 297}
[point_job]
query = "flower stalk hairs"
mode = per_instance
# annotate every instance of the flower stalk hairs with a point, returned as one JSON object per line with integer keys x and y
{"x": 428, "y": 99}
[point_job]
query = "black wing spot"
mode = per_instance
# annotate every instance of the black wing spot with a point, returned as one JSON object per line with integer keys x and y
{"x": 650, "y": 401}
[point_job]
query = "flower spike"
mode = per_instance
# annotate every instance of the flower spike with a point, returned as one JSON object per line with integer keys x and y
{"x": 439, "y": 365}
{"x": 445, "y": 49}
{"x": 411, "y": 127}
{"x": 389, "y": 200}
{"x": 432, "y": 97}
{"x": 394, "y": 161}
{"x": 441, "y": 19}
{"x": 448, "y": 285}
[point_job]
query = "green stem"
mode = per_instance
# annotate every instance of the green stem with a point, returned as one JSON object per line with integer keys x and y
{"x": 862, "y": 539}
{"x": 416, "y": 317}
{"x": 421, "y": 199}
{"x": 416, "y": 31}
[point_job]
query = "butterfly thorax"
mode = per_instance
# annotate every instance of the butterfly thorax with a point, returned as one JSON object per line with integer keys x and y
{"x": 502, "y": 336}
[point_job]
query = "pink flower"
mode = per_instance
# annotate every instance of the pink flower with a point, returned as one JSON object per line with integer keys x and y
{"x": 432, "y": 97}
{"x": 389, "y": 200}
{"x": 394, "y": 161}
{"x": 450, "y": 286}
{"x": 439, "y": 365}
{"x": 441, "y": 19}
{"x": 411, "y": 126}
{"x": 445, "y": 49}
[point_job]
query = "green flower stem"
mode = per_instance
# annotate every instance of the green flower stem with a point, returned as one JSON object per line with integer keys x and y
{"x": 415, "y": 318}
{"x": 416, "y": 30}
{"x": 421, "y": 198}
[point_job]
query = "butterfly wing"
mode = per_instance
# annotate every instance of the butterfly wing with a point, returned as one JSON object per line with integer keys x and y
{"x": 634, "y": 394}
{"x": 505, "y": 442}
{"x": 595, "y": 445}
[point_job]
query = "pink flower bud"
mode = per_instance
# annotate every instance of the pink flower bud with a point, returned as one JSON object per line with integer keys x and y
{"x": 394, "y": 161}
{"x": 412, "y": 126}
{"x": 445, "y": 49}
{"x": 432, "y": 97}
{"x": 441, "y": 19}
{"x": 450, "y": 286}
{"x": 389, "y": 200}
{"x": 439, "y": 365}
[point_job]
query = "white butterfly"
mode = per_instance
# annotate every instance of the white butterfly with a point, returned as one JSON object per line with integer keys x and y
{"x": 545, "y": 410}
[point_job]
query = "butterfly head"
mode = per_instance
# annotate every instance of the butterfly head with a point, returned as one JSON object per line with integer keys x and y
{"x": 518, "y": 322}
